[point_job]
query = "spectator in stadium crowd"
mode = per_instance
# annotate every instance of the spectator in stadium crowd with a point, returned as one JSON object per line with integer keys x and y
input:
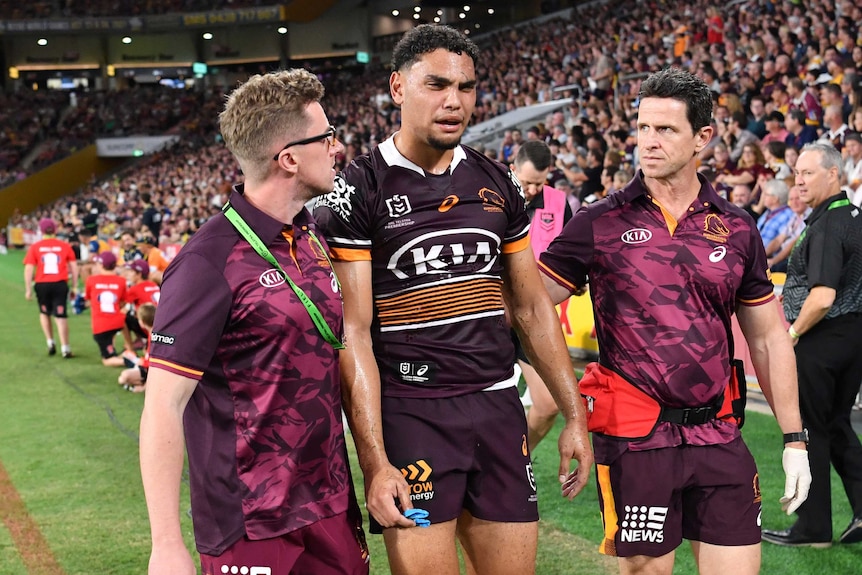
{"x": 776, "y": 214}
{"x": 736, "y": 137}
{"x": 152, "y": 216}
{"x": 823, "y": 303}
{"x": 750, "y": 165}
{"x": 834, "y": 128}
{"x": 799, "y": 132}
{"x": 129, "y": 251}
{"x": 710, "y": 504}
{"x": 134, "y": 378}
{"x": 757, "y": 117}
{"x": 105, "y": 290}
{"x": 418, "y": 384}
{"x": 273, "y": 374}
{"x": 548, "y": 211}
{"x": 856, "y": 119}
{"x": 853, "y": 166}
{"x": 157, "y": 261}
{"x": 54, "y": 263}
{"x": 740, "y": 196}
{"x": 804, "y": 100}
{"x": 773, "y": 155}
{"x": 775, "y": 131}
{"x": 778, "y": 250}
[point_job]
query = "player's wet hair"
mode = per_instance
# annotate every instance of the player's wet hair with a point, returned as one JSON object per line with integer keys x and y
{"x": 684, "y": 86}
{"x": 426, "y": 38}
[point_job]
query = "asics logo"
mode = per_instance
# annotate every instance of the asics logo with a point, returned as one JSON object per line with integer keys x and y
{"x": 636, "y": 236}
{"x": 718, "y": 254}
{"x": 448, "y": 203}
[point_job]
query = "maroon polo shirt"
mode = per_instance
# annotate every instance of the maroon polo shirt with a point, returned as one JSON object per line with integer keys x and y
{"x": 664, "y": 294}
{"x": 263, "y": 428}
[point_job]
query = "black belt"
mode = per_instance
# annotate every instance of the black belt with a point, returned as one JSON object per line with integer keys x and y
{"x": 688, "y": 415}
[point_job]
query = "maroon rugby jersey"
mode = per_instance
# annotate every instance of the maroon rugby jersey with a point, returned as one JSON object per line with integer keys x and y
{"x": 435, "y": 243}
{"x": 663, "y": 296}
{"x": 263, "y": 427}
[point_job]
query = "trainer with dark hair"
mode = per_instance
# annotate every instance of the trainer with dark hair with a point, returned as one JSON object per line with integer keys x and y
{"x": 668, "y": 262}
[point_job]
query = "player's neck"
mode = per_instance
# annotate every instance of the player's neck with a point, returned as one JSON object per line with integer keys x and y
{"x": 430, "y": 159}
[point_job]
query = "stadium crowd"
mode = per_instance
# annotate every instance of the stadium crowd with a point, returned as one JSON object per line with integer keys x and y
{"x": 10, "y": 10}
{"x": 782, "y": 74}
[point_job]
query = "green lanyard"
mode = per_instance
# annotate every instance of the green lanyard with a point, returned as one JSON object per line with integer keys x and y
{"x": 832, "y": 206}
{"x": 258, "y": 245}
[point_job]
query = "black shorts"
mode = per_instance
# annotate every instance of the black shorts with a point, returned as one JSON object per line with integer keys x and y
{"x": 52, "y": 298}
{"x": 652, "y": 499}
{"x": 135, "y": 326}
{"x": 467, "y": 452}
{"x": 105, "y": 340}
{"x": 520, "y": 354}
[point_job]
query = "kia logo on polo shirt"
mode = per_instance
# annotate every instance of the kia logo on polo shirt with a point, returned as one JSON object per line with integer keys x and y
{"x": 271, "y": 278}
{"x": 636, "y": 236}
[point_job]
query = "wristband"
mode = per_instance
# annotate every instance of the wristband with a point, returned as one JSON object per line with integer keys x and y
{"x": 796, "y": 436}
{"x": 792, "y": 332}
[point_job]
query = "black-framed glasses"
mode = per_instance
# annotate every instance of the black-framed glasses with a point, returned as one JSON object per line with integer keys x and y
{"x": 329, "y": 135}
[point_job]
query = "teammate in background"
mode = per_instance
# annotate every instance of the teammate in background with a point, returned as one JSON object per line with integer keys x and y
{"x": 53, "y": 262}
{"x": 239, "y": 367}
{"x": 92, "y": 246}
{"x": 134, "y": 378}
{"x": 106, "y": 292}
{"x": 140, "y": 291}
{"x": 149, "y": 246}
{"x": 129, "y": 251}
{"x": 430, "y": 239}
{"x": 668, "y": 262}
{"x": 548, "y": 211}
{"x": 152, "y": 216}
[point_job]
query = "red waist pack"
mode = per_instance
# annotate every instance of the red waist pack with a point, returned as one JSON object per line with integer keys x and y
{"x": 617, "y": 408}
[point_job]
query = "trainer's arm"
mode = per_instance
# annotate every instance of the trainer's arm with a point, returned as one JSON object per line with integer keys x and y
{"x": 557, "y": 292}
{"x": 28, "y": 280}
{"x": 774, "y": 363}
{"x": 162, "y": 456}
{"x": 538, "y": 326}
{"x": 360, "y": 393}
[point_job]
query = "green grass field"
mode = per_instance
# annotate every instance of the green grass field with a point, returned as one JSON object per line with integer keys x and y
{"x": 68, "y": 441}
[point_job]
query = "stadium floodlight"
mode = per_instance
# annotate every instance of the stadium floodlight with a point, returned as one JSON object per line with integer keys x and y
{"x": 490, "y": 10}
{"x": 466, "y": 8}
{"x": 127, "y": 40}
{"x": 208, "y": 35}
{"x": 42, "y": 41}
{"x": 395, "y": 13}
{"x": 416, "y": 16}
{"x": 462, "y": 15}
{"x": 282, "y": 30}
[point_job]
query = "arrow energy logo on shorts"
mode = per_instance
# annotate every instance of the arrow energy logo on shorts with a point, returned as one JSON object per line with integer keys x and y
{"x": 417, "y": 475}
{"x": 642, "y": 523}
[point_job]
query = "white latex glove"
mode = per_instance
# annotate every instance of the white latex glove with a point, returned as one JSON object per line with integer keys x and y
{"x": 797, "y": 480}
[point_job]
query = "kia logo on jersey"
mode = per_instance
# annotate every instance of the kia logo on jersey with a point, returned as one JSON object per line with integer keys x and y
{"x": 436, "y": 252}
{"x": 636, "y": 236}
{"x": 271, "y": 278}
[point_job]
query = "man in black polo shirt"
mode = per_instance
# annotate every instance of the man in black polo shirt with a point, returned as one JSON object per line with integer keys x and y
{"x": 823, "y": 302}
{"x": 246, "y": 367}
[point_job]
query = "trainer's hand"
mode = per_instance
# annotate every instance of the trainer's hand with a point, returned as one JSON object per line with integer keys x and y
{"x": 797, "y": 478}
{"x": 384, "y": 486}
{"x": 574, "y": 443}
{"x": 28, "y": 295}
{"x": 174, "y": 559}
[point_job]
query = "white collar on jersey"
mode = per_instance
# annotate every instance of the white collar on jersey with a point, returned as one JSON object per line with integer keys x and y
{"x": 393, "y": 157}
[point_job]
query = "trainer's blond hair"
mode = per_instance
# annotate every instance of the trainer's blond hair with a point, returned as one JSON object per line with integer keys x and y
{"x": 147, "y": 314}
{"x": 266, "y": 110}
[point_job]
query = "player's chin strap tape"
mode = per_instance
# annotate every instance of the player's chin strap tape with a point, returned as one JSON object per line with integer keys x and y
{"x": 258, "y": 245}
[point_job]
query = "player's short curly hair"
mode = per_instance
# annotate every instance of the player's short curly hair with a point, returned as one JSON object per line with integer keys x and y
{"x": 427, "y": 38}
{"x": 265, "y": 110}
{"x": 684, "y": 86}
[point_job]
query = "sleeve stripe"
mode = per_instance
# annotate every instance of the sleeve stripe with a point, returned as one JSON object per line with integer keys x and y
{"x": 758, "y": 301}
{"x": 557, "y": 278}
{"x": 516, "y": 246}
{"x": 176, "y": 368}
{"x": 350, "y": 254}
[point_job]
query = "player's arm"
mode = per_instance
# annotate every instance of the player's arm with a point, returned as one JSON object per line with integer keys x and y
{"x": 28, "y": 280}
{"x": 775, "y": 365}
{"x": 538, "y": 326}
{"x": 73, "y": 268}
{"x": 360, "y": 379}
{"x": 162, "y": 454}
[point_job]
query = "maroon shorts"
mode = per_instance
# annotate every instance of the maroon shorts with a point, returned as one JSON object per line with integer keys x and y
{"x": 653, "y": 499}
{"x": 327, "y": 547}
{"x": 467, "y": 452}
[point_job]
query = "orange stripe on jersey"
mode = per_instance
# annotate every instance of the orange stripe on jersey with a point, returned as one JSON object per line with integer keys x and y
{"x": 609, "y": 511}
{"x": 758, "y": 301}
{"x": 350, "y": 255}
{"x": 563, "y": 281}
{"x": 175, "y": 367}
{"x": 441, "y": 302}
{"x": 516, "y": 246}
